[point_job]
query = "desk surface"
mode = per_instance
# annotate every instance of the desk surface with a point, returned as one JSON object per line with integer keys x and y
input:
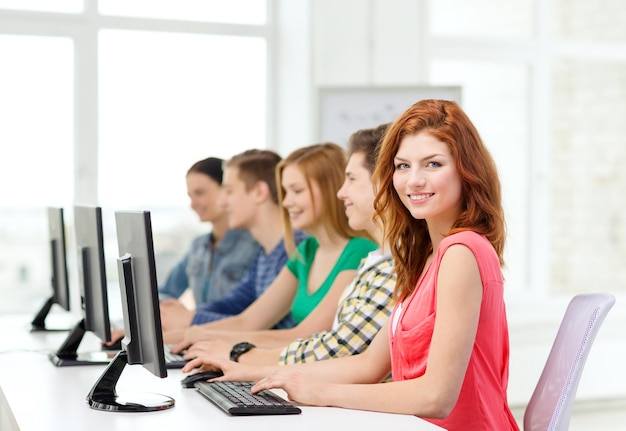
{"x": 36, "y": 395}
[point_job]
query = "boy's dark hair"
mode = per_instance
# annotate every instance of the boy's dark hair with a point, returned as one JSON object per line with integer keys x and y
{"x": 257, "y": 165}
{"x": 367, "y": 142}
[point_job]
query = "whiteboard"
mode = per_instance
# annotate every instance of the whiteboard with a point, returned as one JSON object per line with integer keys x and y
{"x": 344, "y": 110}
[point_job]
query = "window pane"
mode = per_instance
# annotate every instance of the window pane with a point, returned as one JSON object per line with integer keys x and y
{"x": 511, "y": 19}
{"x": 588, "y": 177}
{"x": 167, "y": 100}
{"x": 495, "y": 98}
{"x": 36, "y": 167}
{"x": 65, "y": 6}
{"x": 36, "y": 107}
{"x": 231, "y": 11}
{"x": 582, "y": 20}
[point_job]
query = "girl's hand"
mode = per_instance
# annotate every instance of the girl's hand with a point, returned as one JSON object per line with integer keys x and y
{"x": 210, "y": 349}
{"x": 233, "y": 371}
{"x": 300, "y": 388}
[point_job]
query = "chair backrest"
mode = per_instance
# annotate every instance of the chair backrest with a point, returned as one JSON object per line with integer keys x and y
{"x": 550, "y": 406}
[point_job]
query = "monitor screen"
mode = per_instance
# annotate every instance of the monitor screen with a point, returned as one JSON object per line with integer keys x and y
{"x": 93, "y": 291}
{"x": 143, "y": 340}
{"x": 92, "y": 280}
{"x": 58, "y": 270}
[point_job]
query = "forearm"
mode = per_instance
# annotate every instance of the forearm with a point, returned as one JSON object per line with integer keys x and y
{"x": 238, "y": 323}
{"x": 394, "y": 397}
{"x": 265, "y": 338}
{"x": 205, "y": 317}
{"x": 371, "y": 366}
{"x": 231, "y": 305}
{"x": 350, "y": 337}
{"x": 313, "y": 349}
{"x": 230, "y": 323}
{"x": 349, "y": 369}
{"x": 227, "y": 308}
{"x": 260, "y": 356}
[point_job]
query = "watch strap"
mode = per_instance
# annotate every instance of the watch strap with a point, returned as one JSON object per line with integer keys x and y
{"x": 239, "y": 349}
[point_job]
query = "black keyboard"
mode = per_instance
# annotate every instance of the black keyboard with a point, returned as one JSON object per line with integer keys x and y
{"x": 236, "y": 399}
{"x": 173, "y": 360}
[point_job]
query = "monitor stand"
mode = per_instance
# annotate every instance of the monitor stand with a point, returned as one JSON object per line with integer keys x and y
{"x": 67, "y": 354}
{"x": 103, "y": 395}
{"x": 38, "y": 323}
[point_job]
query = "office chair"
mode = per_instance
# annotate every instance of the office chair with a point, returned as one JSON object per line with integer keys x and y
{"x": 550, "y": 407}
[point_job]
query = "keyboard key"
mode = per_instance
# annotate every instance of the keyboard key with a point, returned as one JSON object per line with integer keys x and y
{"x": 235, "y": 398}
{"x": 173, "y": 360}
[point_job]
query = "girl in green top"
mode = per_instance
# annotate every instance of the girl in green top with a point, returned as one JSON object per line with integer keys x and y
{"x": 301, "y": 263}
{"x": 322, "y": 265}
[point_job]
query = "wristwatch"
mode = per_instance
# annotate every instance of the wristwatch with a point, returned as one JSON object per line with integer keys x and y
{"x": 239, "y": 349}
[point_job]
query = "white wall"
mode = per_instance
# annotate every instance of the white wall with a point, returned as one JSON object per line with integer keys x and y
{"x": 388, "y": 42}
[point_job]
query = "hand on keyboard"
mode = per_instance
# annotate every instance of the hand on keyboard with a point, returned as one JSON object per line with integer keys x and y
{"x": 235, "y": 398}
{"x": 173, "y": 360}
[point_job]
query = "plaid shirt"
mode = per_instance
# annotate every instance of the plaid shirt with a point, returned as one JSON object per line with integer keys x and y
{"x": 364, "y": 308}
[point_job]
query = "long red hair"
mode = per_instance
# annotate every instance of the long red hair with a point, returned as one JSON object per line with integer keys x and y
{"x": 482, "y": 210}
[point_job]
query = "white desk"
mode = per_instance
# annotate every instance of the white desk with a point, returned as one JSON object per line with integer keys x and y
{"x": 35, "y": 395}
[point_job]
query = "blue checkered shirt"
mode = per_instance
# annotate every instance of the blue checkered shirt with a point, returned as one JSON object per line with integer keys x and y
{"x": 257, "y": 279}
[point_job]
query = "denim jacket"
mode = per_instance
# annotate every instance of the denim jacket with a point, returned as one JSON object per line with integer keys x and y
{"x": 258, "y": 278}
{"x": 211, "y": 272}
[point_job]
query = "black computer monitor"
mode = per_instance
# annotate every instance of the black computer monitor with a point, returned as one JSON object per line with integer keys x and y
{"x": 143, "y": 340}
{"x": 58, "y": 268}
{"x": 93, "y": 291}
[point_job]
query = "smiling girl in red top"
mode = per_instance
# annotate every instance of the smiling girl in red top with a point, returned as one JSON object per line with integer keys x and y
{"x": 446, "y": 342}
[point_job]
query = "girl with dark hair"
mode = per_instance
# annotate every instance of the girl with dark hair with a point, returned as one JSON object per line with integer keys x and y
{"x": 216, "y": 261}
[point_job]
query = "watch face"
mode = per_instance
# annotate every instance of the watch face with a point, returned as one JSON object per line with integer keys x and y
{"x": 242, "y": 347}
{"x": 239, "y": 349}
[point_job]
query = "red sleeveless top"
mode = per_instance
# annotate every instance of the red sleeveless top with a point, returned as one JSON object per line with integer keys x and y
{"x": 482, "y": 403}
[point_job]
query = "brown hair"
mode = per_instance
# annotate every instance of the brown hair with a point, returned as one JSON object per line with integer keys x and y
{"x": 367, "y": 142}
{"x": 257, "y": 165}
{"x": 323, "y": 164}
{"x": 481, "y": 207}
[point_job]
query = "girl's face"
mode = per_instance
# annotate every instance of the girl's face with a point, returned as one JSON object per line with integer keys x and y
{"x": 205, "y": 194}
{"x": 357, "y": 194}
{"x": 297, "y": 200}
{"x": 427, "y": 181}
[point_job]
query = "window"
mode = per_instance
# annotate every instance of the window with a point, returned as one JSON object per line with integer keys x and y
{"x": 231, "y": 11}
{"x": 66, "y": 6}
{"x": 36, "y": 167}
{"x": 36, "y": 84}
{"x": 93, "y": 100}
{"x": 178, "y": 98}
{"x": 462, "y": 18}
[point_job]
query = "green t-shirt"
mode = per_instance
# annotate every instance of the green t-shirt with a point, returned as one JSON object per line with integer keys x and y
{"x": 353, "y": 253}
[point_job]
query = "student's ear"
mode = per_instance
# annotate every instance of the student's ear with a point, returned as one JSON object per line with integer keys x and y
{"x": 261, "y": 191}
